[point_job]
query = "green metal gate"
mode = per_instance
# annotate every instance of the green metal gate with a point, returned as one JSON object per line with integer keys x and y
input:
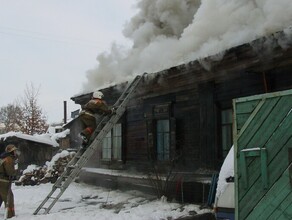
{"x": 263, "y": 155}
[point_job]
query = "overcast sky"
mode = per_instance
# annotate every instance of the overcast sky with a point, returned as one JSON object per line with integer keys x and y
{"x": 59, "y": 45}
{"x": 52, "y": 43}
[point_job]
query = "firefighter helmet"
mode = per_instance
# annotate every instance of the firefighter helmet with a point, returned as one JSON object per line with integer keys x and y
{"x": 97, "y": 95}
{"x": 10, "y": 147}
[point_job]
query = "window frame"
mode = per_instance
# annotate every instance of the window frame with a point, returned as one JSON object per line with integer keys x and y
{"x": 163, "y": 136}
{"x": 226, "y": 130}
{"x": 154, "y": 113}
{"x": 110, "y": 145}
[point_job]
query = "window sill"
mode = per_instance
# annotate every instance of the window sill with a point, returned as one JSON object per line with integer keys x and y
{"x": 115, "y": 164}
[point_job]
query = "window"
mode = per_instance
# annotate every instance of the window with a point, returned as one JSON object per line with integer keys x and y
{"x": 117, "y": 142}
{"x": 107, "y": 147}
{"x": 112, "y": 144}
{"x": 161, "y": 132}
{"x": 163, "y": 140}
{"x": 226, "y": 131}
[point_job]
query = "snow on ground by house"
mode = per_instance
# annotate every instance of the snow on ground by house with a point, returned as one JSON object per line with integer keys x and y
{"x": 81, "y": 201}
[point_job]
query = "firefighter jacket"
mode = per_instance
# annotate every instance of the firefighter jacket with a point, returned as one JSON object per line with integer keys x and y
{"x": 95, "y": 106}
{"x": 7, "y": 170}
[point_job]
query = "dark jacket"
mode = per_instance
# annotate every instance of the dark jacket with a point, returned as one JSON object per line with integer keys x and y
{"x": 7, "y": 170}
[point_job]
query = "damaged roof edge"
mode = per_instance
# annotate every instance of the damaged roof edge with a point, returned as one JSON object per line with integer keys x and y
{"x": 87, "y": 96}
{"x": 283, "y": 40}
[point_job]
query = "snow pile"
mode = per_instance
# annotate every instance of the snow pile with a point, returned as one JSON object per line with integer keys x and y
{"x": 35, "y": 175}
{"x": 50, "y": 164}
{"x": 30, "y": 169}
{"x": 227, "y": 170}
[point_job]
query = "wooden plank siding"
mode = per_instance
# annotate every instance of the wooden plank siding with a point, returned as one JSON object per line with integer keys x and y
{"x": 31, "y": 152}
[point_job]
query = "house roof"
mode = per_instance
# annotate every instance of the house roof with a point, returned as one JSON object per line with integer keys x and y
{"x": 44, "y": 139}
{"x": 255, "y": 55}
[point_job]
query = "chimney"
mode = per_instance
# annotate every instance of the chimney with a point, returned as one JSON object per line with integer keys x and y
{"x": 65, "y": 112}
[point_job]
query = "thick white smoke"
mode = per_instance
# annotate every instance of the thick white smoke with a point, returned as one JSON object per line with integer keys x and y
{"x": 168, "y": 33}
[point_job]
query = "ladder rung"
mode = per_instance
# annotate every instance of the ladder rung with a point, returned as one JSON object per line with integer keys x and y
{"x": 58, "y": 186}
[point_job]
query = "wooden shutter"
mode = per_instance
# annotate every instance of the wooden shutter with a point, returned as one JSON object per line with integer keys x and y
{"x": 151, "y": 140}
{"x": 172, "y": 127}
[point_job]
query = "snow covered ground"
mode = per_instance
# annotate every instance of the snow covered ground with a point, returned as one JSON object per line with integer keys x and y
{"x": 81, "y": 201}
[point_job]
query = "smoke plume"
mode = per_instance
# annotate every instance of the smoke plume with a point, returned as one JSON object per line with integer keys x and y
{"x": 168, "y": 33}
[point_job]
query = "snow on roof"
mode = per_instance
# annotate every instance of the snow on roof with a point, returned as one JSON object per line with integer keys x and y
{"x": 52, "y": 129}
{"x": 44, "y": 138}
{"x": 56, "y": 136}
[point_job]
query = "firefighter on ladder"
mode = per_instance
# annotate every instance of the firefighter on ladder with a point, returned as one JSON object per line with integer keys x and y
{"x": 95, "y": 106}
{"x": 7, "y": 175}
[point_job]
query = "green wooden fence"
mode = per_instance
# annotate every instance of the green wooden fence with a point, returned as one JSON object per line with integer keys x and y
{"x": 263, "y": 155}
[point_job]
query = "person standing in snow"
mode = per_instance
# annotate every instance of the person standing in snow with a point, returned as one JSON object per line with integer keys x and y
{"x": 95, "y": 106}
{"x": 7, "y": 174}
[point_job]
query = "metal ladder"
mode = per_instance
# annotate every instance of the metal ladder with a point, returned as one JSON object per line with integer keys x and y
{"x": 74, "y": 167}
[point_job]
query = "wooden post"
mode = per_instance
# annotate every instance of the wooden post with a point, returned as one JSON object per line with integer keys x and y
{"x": 65, "y": 112}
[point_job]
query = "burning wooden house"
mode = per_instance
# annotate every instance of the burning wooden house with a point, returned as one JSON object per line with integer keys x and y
{"x": 178, "y": 125}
